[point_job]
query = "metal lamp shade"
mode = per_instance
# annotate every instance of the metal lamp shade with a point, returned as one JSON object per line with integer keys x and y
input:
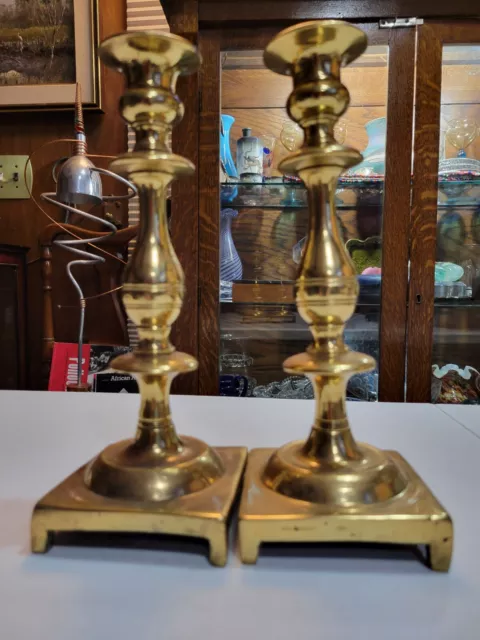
{"x": 77, "y": 183}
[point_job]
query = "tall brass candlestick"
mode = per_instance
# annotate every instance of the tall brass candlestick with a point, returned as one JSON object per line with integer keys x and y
{"x": 157, "y": 482}
{"x": 330, "y": 488}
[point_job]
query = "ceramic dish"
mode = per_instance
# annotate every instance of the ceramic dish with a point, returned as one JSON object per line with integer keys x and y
{"x": 447, "y": 272}
{"x": 454, "y": 385}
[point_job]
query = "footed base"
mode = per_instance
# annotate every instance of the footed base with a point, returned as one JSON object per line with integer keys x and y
{"x": 72, "y": 507}
{"x": 412, "y": 517}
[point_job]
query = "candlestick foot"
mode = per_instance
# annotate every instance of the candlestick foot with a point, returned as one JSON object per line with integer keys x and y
{"x": 73, "y": 507}
{"x": 411, "y": 517}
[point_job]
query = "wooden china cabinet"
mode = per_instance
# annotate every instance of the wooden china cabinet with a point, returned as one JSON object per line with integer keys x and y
{"x": 409, "y": 214}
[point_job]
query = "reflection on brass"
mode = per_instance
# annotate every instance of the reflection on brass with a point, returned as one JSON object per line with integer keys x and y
{"x": 264, "y": 301}
{"x": 278, "y": 293}
{"x": 157, "y": 482}
{"x": 271, "y": 314}
{"x": 330, "y": 488}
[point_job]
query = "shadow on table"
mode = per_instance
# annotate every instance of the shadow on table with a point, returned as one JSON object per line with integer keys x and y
{"x": 131, "y": 548}
{"x": 187, "y": 552}
{"x": 15, "y": 518}
{"x": 348, "y": 557}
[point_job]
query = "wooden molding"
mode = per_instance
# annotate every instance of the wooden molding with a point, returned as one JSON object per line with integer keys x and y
{"x": 221, "y": 11}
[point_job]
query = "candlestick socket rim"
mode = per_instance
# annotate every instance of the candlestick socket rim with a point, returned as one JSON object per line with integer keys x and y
{"x": 324, "y": 37}
{"x": 164, "y": 50}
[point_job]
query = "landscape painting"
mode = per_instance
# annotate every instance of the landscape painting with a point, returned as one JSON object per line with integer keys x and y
{"x": 37, "y": 42}
{"x": 46, "y": 47}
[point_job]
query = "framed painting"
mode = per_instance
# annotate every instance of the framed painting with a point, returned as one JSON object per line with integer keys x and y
{"x": 46, "y": 47}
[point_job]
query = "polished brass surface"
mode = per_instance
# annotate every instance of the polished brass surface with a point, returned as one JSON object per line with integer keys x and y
{"x": 71, "y": 506}
{"x": 414, "y": 517}
{"x": 330, "y": 473}
{"x": 157, "y": 472}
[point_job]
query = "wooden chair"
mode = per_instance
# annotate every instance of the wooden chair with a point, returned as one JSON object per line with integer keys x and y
{"x": 105, "y": 319}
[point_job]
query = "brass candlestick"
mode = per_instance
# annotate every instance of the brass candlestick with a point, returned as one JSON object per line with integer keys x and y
{"x": 158, "y": 482}
{"x": 330, "y": 488}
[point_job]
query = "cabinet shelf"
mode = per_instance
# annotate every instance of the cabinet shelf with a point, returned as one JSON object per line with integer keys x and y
{"x": 362, "y": 325}
{"x": 363, "y": 305}
{"x": 457, "y": 303}
{"x": 231, "y": 306}
{"x": 283, "y": 195}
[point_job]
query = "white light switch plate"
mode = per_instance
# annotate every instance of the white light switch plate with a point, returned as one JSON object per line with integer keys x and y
{"x": 12, "y": 178}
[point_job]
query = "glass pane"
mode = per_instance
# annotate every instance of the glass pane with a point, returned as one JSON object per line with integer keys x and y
{"x": 456, "y": 347}
{"x": 263, "y": 221}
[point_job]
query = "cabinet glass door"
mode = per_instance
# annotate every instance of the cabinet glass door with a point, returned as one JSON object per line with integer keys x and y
{"x": 456, "y": 337}
{"x": 263, "y": 224}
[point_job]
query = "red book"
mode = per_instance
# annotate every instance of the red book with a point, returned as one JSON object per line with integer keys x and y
{"x": 64, "y": 365}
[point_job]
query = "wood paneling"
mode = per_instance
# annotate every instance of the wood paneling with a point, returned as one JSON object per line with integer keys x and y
{"x": 215, "y": 11}
{"x": 431, "y": 39}
{"x": 21, "y": 133}
{"x": 260, "y": 88}
{"x": 184, "y": 221}
{"x": 263, "y": 89}
{"x": 209, "y": 210}
{"x": 241, "y": 36}
{"x": 396, "y": 216}
{"x": 423, "y": 224}
{"x": 13, "y": 334}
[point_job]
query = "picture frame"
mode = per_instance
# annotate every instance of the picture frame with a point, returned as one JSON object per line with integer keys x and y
{"x": 79, "y": 41}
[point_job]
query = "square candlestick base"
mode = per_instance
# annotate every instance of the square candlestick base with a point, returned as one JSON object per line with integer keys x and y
{"x": 414, "y": 517}
{"x": 72, "y": 507}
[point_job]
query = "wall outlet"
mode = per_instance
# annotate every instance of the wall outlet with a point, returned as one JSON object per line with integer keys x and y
{"x": 14, "y": 179}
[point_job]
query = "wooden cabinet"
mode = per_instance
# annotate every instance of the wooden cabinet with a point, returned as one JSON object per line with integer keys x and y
{"x": 443, "y": 331}
{"x": 419, "y": 79}
{"x": 13, "y": 336}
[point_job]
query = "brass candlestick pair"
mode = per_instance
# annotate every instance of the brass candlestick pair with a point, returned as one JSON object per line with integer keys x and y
{"x": 327, "y": 489}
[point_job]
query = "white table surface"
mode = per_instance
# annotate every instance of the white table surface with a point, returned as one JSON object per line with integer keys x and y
{"x": 91, "y": 593}
{"x": 465, "y": 414}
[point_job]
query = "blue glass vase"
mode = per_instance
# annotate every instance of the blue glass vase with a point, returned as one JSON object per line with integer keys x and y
{"x": 225, "y": 153}
{"x": 374, "y": 155}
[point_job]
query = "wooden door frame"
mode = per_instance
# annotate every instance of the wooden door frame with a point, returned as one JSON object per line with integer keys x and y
{"x": 183, "y": 21}
{"x": 209, "y": 213}
{"x": 396, "y": 209}
{"x": 423, "y": 225}
{"x": 396, "y": 215}
{"x": 14, "y": 257}
{"x": 233, "y": 12}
